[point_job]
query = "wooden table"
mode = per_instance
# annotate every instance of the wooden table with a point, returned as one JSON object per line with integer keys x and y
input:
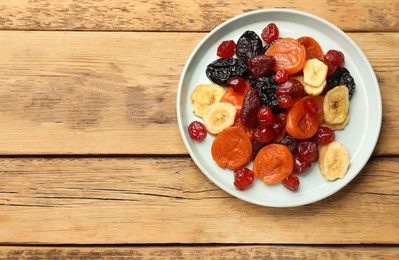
{"x": 92, "y": 162}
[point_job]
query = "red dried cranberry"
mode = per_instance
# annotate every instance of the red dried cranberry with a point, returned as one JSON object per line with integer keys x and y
{"x": 243, "y": 178}
{"x": 291, "y": 182}
{"x": 197, "y": 131}
{"x": 311, "y": 106}
{"x": 281, "y": 76}
{"x": 301, "y": 165}
{"x": 270, "y": 33}
{"x": 331, "y": 68}
{"x": 238, "y": 84}
{"x": 226, "y": 49}
{"x": 281, "y": 118}
{"x": 335, "y": 58}
{"x": 285, "y": 101}
{"x": 263, "y": 134}
{"x": 285, "y": 89}
{"x": 298, "y": 89}
{"x": 278, "y": 128}
{"x": 325, "y": 135}
{"x": 265, "y": 116}
{"x": 307, "y": 150}
{"x": 260, "y": 65}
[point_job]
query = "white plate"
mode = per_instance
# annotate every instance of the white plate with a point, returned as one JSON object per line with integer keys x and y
{"x": 360, "y": 135}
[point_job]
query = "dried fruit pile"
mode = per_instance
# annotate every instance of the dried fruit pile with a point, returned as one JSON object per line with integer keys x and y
{"x": 276, "y": 102}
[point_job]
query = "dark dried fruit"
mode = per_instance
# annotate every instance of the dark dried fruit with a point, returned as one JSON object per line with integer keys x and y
{"x": 267, "y": 45}
{"x": 291, "y": 143}
{"x": 250, "y": 108}
{"x": 342, "y": 76}
{"x": 260, "y": 65}
{"x": 256, "y": 146}
{"x": 249, "y": 45}
{"x": 219, "y": 71}
{"x": 267, "y": 91}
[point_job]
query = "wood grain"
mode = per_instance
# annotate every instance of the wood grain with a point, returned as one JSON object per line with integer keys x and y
{"x": 168, "y": 200}
{"x": 115, "y": 93}
{"x": 183, "y": 15}
{"x": 201, "y": 252}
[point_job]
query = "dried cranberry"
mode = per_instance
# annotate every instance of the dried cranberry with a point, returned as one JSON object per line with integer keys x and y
{"x": 270, "y": 33}
{"x": 301, "y": 165}
{"x": 298, "y": 89}
{"x": 285, "y": 89}
{"x": 285, "y": 101}
{"x": 265, "y": 116}
{"x": 335, "y": 58}
{"x": 325, "y": 135}
{"x": 278, "y": 128}
{"x": 331, "y": 68}
{"x": 291, "y": 182}
{"x": 250, "y": 107}
{"x": 281, "y": 118}
{"x": 260, "y": 65}
{"x": 226, "y": 49}
{"x": 197, "y": 131}
{"x": 307, "y": 150}
{"x": 311, "y": 106}
{"x": 256, "y": 146}
{"x": 243, "y": 178}
{"x": 281, "y": 76}
{"x": 291, "y": 143}
{"x": 238, "y": 84}
{"x": 263, "y": 134}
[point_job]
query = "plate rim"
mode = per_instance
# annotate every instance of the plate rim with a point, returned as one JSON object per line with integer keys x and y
{"x": 240, "y": 195}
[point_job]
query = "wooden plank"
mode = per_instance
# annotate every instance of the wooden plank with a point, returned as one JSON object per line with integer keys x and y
{"x": 182, "y": 15}
{"x": 115, "y": 93}
{"x": 168, "y": 200}
{"x": 201, "y": 252}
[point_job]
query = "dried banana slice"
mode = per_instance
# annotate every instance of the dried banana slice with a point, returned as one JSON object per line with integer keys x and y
{"x": 219, "y": 116}
{"x": 333, "y": 161}
{"x": 205, "y": 95}
{"x": 336, "y": 105}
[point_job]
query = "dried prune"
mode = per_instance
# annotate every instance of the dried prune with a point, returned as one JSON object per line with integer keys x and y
{"x": 267, "y": 45}
{"x": 342, "y": 76}
{"x": 250, "y": 108}
{"x": 248, "y": 45}
{"x": 266, "y": 87}
{"x": 220, "y": 70}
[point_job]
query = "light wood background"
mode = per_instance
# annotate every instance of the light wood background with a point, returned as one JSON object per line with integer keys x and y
{"x": 92, "y": 164}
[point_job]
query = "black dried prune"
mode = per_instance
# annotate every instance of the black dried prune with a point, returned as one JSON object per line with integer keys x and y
{"x": 250, "y": 107}
{"x": 266, "y": 87}
{"x": 249, "y": 45}
{"x": 220, "y": 70}
{"x": 267, "y": 45}
{"x": 342, "y": 76}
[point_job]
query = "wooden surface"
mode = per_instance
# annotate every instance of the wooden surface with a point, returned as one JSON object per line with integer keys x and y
{"x": 92, "y": 164}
